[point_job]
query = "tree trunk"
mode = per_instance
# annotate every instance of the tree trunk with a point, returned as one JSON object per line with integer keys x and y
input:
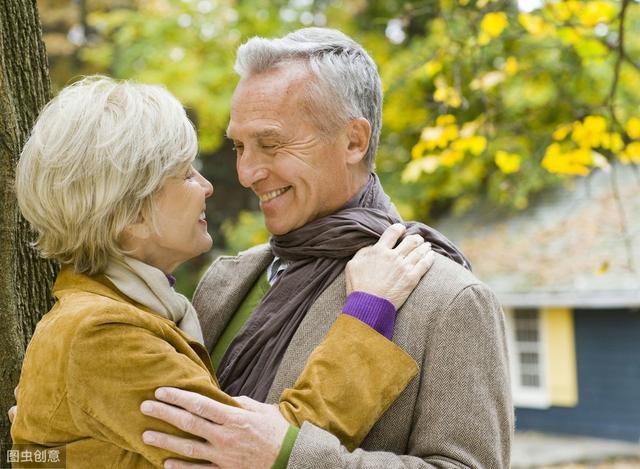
{"x": 25, "y": 279}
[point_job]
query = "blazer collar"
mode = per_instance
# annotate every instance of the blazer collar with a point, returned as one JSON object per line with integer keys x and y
{"x": 224, "y": 286}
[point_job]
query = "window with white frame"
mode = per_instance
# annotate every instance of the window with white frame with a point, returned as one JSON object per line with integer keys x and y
{"x": 526, "y": 351}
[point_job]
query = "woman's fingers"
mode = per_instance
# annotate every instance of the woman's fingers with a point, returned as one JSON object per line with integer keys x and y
{"x": 414, "y": 256}
{"x": 389, "y": 272}
{"x": 423, "y": 265}
{"x": 408, "y": 245}
{"x": 12, "y": 413}
{"x": 391, "y": 236}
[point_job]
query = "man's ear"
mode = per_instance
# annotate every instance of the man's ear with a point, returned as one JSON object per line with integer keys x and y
{"x": 358, "y": 135}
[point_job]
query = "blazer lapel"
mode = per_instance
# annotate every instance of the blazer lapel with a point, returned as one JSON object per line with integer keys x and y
{"x": 312, "y": 330}
{"x": 224, "y": 286}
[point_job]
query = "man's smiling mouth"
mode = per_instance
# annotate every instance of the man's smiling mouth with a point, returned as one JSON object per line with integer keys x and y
{"x": 267, "y": 196}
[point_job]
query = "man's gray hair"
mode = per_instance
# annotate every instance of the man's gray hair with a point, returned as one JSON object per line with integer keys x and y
{"x": 346, "y": 86}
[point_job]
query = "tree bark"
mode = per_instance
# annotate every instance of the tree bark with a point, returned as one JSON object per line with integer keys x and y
{"x": 25, "y": 278}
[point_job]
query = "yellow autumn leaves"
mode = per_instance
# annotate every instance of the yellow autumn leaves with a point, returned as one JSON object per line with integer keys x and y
{"x": 585, "y": 14}
{"x": 491, "y": 26}
{"x": 446, "y": 144}
{"x": 576, "y": 150}
{"x": 578, "y": 146}
{"x": 509, "y": 84}
{"x": 507, "y": 162}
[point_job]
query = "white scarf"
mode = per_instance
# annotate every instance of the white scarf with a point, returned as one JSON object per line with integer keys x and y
{"x": 150, "y": 287}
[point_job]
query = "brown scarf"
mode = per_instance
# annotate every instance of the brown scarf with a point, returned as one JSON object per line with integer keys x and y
{"x": 316, "y": 254}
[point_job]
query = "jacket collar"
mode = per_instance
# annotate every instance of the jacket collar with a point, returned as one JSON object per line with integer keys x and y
{"x": 70, "y": 281}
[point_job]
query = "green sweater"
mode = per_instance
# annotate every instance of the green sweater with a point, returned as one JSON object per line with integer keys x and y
{"x": 238, "y": 320}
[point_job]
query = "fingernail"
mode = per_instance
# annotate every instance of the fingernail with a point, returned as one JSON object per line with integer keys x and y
{"x": 148, "y": 437}
{"x": 168, "y": 465}
{"x": 161, "y": 393}
{"x": 146, "y": 407}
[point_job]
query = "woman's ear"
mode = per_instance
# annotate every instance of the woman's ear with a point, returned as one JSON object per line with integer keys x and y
{"x": 358, "y": 135}
{"x": 134, "y": 235}
{"x": 138, "y": 230}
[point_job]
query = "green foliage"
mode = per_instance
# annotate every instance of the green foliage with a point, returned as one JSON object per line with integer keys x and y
{"x": 483, "y": 102}
{"x": 189, "y": 46}
{"x": 246, "y": 231}
{"x": 472, "y": 105}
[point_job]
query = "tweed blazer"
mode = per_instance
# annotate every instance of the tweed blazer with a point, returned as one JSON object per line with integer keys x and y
{"x": 457, "y": 413}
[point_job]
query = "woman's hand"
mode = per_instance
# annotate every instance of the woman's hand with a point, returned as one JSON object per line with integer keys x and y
{"x": 13, "y": 411}
{"x": 389, "y": 272}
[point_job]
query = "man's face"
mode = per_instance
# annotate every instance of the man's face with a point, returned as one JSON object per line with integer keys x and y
{"x": 298, "y": 173}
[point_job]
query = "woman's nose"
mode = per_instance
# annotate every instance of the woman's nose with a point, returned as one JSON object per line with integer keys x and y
{"x": 208, "y": 187}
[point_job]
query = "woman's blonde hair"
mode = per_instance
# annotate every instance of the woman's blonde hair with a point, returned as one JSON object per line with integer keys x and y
{"x": 97, "y": 154}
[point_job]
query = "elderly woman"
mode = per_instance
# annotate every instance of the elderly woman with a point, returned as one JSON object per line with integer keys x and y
{"x": 107, "y": 181}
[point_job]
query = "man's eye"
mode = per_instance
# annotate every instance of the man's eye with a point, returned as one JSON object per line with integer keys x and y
{"x": 238, "y": 148}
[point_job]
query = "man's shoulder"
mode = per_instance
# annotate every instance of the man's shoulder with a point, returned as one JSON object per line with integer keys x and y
{"x": 449, "y": 300}
{"x": 445, "y": 282}
{"x": 447, "y": 277}
{"x": 255, "y": 254}
{"x": 257, "y": 257}
{"x": 259, "y": 250}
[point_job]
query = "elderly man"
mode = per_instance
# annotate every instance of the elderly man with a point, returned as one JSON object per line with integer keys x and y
{"x": 305, "y": 120}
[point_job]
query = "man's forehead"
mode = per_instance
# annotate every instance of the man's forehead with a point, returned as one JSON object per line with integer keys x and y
{"x": 256, "y": 130}
{"x": 262, "y": 103}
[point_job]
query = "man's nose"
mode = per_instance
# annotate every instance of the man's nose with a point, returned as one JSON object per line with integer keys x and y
{"x": 251, "y": 168}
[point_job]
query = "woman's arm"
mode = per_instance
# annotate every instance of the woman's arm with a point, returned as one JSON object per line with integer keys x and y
{"x": 116, "y": 362}
{"x": 349, "y": 381}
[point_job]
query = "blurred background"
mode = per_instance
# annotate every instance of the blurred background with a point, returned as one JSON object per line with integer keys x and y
{"x": 513, "y": 126}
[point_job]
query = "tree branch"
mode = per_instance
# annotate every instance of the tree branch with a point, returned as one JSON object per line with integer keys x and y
{"x": 624, "y": 225}
{"x": 619, "y": 59}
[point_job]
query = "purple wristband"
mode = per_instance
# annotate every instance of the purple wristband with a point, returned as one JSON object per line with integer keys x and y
{"x": 374, "y": 311}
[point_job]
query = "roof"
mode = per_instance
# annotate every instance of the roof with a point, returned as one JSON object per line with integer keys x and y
{"x": 575, "y": 247}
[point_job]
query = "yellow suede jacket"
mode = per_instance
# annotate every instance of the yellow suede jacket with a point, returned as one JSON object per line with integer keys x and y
{"x": 97, "y": 355}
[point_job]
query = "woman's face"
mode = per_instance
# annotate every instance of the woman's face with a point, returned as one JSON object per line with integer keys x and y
{"x": 181, "y": 228}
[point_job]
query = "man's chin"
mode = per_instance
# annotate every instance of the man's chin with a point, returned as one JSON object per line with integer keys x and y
{"x": 276, "y": 229}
